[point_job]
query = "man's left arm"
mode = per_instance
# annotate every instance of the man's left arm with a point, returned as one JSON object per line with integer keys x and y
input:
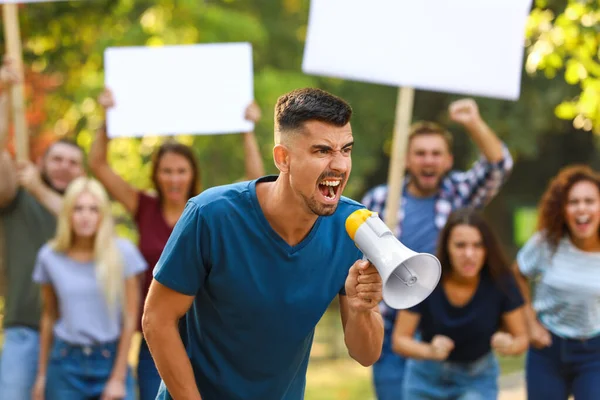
{"x": 361, "y": 319}
{"x": 466, "y": 113}
{"x": 483, "y": 181}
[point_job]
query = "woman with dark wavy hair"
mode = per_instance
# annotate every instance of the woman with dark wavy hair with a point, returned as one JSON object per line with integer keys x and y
{"x": 562, "y": 262}
{"x": 460, "y": 321}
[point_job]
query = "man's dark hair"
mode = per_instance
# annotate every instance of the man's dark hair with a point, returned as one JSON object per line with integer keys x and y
{"x": 422, "y": 128}
{"x": 295, "y": 108}
{"x": 66, "y": 141}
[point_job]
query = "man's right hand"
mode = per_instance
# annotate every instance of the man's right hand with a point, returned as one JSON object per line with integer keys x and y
{"x": 464, "y": 112}
{"x": 441, "y": 346}
{"x": 8, "y": 73}
{"x": 539, "y": 337}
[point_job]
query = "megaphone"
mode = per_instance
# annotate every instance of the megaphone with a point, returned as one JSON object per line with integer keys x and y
{"x": 408, "y": 277}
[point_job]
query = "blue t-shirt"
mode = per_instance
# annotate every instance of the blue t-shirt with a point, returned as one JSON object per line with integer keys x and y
{"x": 257, "y": 299}
{"x": 471, "y": 326}
{"x": 419, "y": 232}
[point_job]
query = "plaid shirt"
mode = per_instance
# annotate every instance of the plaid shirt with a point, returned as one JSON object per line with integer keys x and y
{"x": 458, "y": 189}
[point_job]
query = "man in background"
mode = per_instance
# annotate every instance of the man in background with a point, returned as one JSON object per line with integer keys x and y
{"x": 29, "y": 199}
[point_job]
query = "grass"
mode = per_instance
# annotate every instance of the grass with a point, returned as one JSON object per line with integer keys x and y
{"x": 345, "y": 379}
{"x": 342, "y": 379}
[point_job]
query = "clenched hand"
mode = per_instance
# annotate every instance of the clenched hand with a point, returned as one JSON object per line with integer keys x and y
{"x": 363, "y": 286}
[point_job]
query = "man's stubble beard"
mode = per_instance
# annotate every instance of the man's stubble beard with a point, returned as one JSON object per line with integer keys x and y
{"x": 318, "y": 209}
{"x": 47, "y": 182}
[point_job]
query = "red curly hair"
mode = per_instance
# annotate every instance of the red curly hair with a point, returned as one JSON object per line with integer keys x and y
{"x": 551, "y": 219}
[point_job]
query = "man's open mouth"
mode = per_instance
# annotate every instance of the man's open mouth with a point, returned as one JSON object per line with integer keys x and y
{"x": 329, "y": 188}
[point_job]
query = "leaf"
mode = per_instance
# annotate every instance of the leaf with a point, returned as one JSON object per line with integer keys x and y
{"x": 575, "y": 72}
{"x": 575, "y": 39}
{"x": 566, "y": 110}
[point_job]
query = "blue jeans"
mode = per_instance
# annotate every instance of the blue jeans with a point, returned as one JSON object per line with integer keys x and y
{"x": 567, "y": 367}
{"x": 389, "y": 370}
{"x": 147, "y": 374}
{"x": 388, "y": 375}
{"x": 19, "y": 362}
{"x": 81, "y": 372}
{"x": 433, "y": 380}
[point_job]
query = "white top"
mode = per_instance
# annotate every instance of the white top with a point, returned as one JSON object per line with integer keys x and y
{"x": 566, "y": 286}
{"x": 84, "y": 316}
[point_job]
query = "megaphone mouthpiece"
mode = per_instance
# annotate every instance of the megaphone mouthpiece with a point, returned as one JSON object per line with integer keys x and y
{"x": 408, "y": 277}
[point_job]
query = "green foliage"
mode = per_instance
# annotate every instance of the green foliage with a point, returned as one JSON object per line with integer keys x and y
{"x": 568, "y": 41}
{"x": 525, "y": 224}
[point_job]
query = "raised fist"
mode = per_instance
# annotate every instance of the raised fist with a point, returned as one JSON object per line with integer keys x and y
{"x": 8, "y": 73}
{"x": 539, "y": 336}
{"x": 464, "y": 111}
{"x": 441, "y": 346}
{"x": 502, "y": 342}
{"x": 253, "y": 112}
{"x": 106, "y": 99}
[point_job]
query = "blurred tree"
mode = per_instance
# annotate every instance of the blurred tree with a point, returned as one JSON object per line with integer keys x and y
{"x": 37, "y": 88}
{"x": 566, "y": 38}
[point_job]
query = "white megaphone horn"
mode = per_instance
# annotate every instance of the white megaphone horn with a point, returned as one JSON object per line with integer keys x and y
{"x": 408, "y": 277}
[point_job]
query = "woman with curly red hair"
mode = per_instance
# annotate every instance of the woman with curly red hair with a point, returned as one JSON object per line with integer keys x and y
{"x": 562, "y": 263}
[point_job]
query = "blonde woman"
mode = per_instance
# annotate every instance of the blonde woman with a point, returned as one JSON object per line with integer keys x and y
{"x": 90, "y": 302}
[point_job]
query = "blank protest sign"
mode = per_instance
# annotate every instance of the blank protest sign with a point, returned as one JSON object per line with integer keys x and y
{"x": 459, "y": 46}
{"x": 183, "y": 89}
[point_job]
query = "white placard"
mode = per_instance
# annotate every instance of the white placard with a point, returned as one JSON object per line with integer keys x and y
{"x": 472, "y": 47}
{"x": 183, "y": 89}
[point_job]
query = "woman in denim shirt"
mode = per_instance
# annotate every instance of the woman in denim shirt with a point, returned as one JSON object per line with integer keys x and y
{"x": 460, "y": 321}
{"x": 90, "y": 302}
{"x": 562, "y": 261}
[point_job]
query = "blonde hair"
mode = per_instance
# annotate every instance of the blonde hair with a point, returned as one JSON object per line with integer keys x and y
{"x": 107, "y": 257}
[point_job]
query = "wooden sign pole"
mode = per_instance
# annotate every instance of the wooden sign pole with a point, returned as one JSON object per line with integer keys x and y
{"x": 12, "y": 36}
{"x": 404, "y": 109}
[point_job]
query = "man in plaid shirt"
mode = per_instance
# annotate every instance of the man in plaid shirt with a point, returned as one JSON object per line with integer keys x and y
{"x": 431, "y": 192}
